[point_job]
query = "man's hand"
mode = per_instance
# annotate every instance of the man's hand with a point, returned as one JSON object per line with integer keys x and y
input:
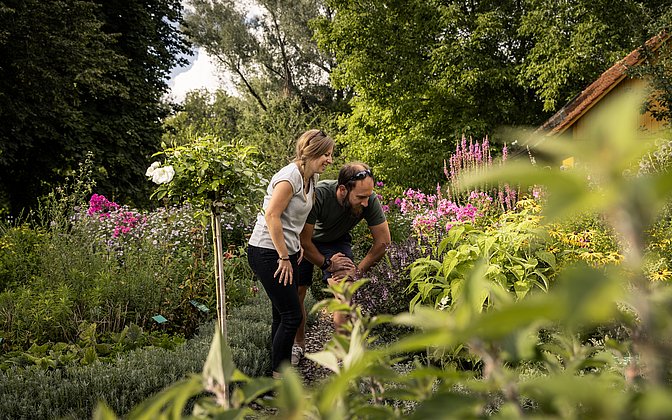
{"x": 340, "y": 262}
{"x": 340, "y": 274}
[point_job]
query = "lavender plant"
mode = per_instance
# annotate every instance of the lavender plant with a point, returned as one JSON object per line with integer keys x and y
{"x": 386, "y": 291}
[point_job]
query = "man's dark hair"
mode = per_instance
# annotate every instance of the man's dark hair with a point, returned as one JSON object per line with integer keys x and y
{"x": 347, "y": 176}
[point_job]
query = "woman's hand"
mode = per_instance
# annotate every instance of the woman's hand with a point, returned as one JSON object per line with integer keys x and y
{"x": 285, "y": 272}
{"x": 300, "y": 255}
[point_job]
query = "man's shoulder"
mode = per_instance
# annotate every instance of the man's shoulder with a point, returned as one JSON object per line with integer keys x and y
{"x": 325, "y": 189}
{"x": 328, "y": 184}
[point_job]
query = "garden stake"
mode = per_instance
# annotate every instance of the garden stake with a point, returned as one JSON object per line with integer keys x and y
{"x": 221, "y": 292}
{"x": 219, "y": 269}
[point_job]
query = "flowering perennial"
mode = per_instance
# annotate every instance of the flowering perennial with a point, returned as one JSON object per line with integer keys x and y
{"x": 118, "y": 227}
{"x": 160, "y": 175}
{"x": 101, "y": 206}
{"x": 475, "y": 157}
{"x": 432, "y": 211}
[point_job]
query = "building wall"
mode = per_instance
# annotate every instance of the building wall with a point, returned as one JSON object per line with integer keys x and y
{"x": 646, "y": 121}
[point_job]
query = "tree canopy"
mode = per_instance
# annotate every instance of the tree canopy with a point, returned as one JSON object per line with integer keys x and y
{"x": 269, "y": 49}
{"x": 426, "y": 72}
{"x": 80, "y": 76}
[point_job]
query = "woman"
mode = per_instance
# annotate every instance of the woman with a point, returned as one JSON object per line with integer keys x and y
{"x": 274, "y": 247}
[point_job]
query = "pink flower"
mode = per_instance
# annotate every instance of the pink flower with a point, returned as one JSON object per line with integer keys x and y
{"x": 100, "y": 204}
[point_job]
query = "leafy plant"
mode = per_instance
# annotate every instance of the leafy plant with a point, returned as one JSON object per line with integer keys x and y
{"x": 514, "y": 250}
{"x": 211, "y": 174}
{"x": 125, "y": 379}
{"x": 19, "y": 255}
{"x": 215, "y": 177}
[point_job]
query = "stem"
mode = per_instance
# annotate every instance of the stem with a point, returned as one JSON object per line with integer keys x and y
{"x": 219, "y": 269}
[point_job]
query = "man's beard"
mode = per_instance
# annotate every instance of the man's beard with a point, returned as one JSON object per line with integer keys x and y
{"x": 354, "y": 213}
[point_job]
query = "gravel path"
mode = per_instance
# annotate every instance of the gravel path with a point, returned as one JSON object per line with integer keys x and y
{"x": 318, "y": 334}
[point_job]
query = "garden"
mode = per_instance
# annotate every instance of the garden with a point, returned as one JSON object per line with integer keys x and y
{"x": 497, "y": 297}
{"x": 529, "y": 272}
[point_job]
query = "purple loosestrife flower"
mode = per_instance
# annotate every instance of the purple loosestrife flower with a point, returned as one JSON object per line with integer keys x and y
{"x": 477, "y": 153}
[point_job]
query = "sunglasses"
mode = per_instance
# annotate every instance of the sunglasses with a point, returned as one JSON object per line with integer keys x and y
{"x": 361, "y": 175}
{"x": 319, "y": 133}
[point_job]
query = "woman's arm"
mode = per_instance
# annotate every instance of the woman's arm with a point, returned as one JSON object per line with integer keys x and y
{"x": 282, "y": 194}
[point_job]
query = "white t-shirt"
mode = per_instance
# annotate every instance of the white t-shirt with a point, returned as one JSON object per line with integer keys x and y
{"x": 293, "y": 217}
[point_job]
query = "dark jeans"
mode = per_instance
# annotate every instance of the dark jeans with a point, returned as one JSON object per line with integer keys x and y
{"x": 343, "y": 244}
{"x": 287, "y": 315}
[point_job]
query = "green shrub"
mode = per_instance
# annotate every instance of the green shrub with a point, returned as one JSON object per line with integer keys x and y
{"x": 74, "y": 391}
{"x": 72, "y": 276}
{"x": 19, "y": 255}
{"x": 134, "y": 376}
{"x": 74, "y": 282}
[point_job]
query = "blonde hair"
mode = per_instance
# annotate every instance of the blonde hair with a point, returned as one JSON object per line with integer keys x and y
{"x": 311, "y": 145}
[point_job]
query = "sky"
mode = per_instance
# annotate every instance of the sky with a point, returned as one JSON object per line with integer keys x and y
{"x": 200, "y": 73}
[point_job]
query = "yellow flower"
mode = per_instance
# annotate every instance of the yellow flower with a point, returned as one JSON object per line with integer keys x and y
{"x": 614, "y": 257}
{"x": 555, "y": 232}
{"x": 661, "y": 275}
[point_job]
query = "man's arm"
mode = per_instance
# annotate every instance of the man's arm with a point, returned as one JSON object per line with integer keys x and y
{"x": 310, "y": 251}
{"x": 339, "y": 261}
{"x": 381, "y": 240}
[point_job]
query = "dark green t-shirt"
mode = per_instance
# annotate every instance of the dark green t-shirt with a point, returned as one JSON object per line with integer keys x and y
{"x": 331, "y": 220}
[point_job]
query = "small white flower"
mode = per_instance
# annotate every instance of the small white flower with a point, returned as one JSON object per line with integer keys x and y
{"x": 163, "y": 175}
{"x": 152, "y": 168}
{"x": 443, "y": 304}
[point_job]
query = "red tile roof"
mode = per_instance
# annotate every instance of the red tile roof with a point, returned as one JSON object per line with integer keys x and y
{"x": 567, "y": 115}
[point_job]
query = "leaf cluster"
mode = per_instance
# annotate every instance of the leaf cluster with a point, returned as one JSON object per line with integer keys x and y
{"x": 425, "y": 73}
{"x": 213, "y": 176}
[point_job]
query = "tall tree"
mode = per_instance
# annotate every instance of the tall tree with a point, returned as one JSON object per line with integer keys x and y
{"x": 52, "y": 54}
{"x": 426, "y": 72}
{"x": 269, "y": 48}
{"x": 77, "y": 76}
{"x": 127, "y": 127}
{"x": 575, "y": 41}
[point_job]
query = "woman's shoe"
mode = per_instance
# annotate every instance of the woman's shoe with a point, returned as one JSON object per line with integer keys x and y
{"x": 297, "y": 354}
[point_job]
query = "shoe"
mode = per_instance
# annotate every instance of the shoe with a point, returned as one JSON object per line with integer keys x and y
{"x": 297, "y": 354}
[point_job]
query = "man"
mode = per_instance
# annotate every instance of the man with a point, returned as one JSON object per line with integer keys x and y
{"x": 339, "y": 206}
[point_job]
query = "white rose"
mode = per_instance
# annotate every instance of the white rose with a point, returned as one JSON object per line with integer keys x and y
{"x": 152, "y": 168}
{"x": 163, "y": 175}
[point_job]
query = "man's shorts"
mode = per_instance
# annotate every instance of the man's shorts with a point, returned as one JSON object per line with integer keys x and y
{"x": 327, "y": 249}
